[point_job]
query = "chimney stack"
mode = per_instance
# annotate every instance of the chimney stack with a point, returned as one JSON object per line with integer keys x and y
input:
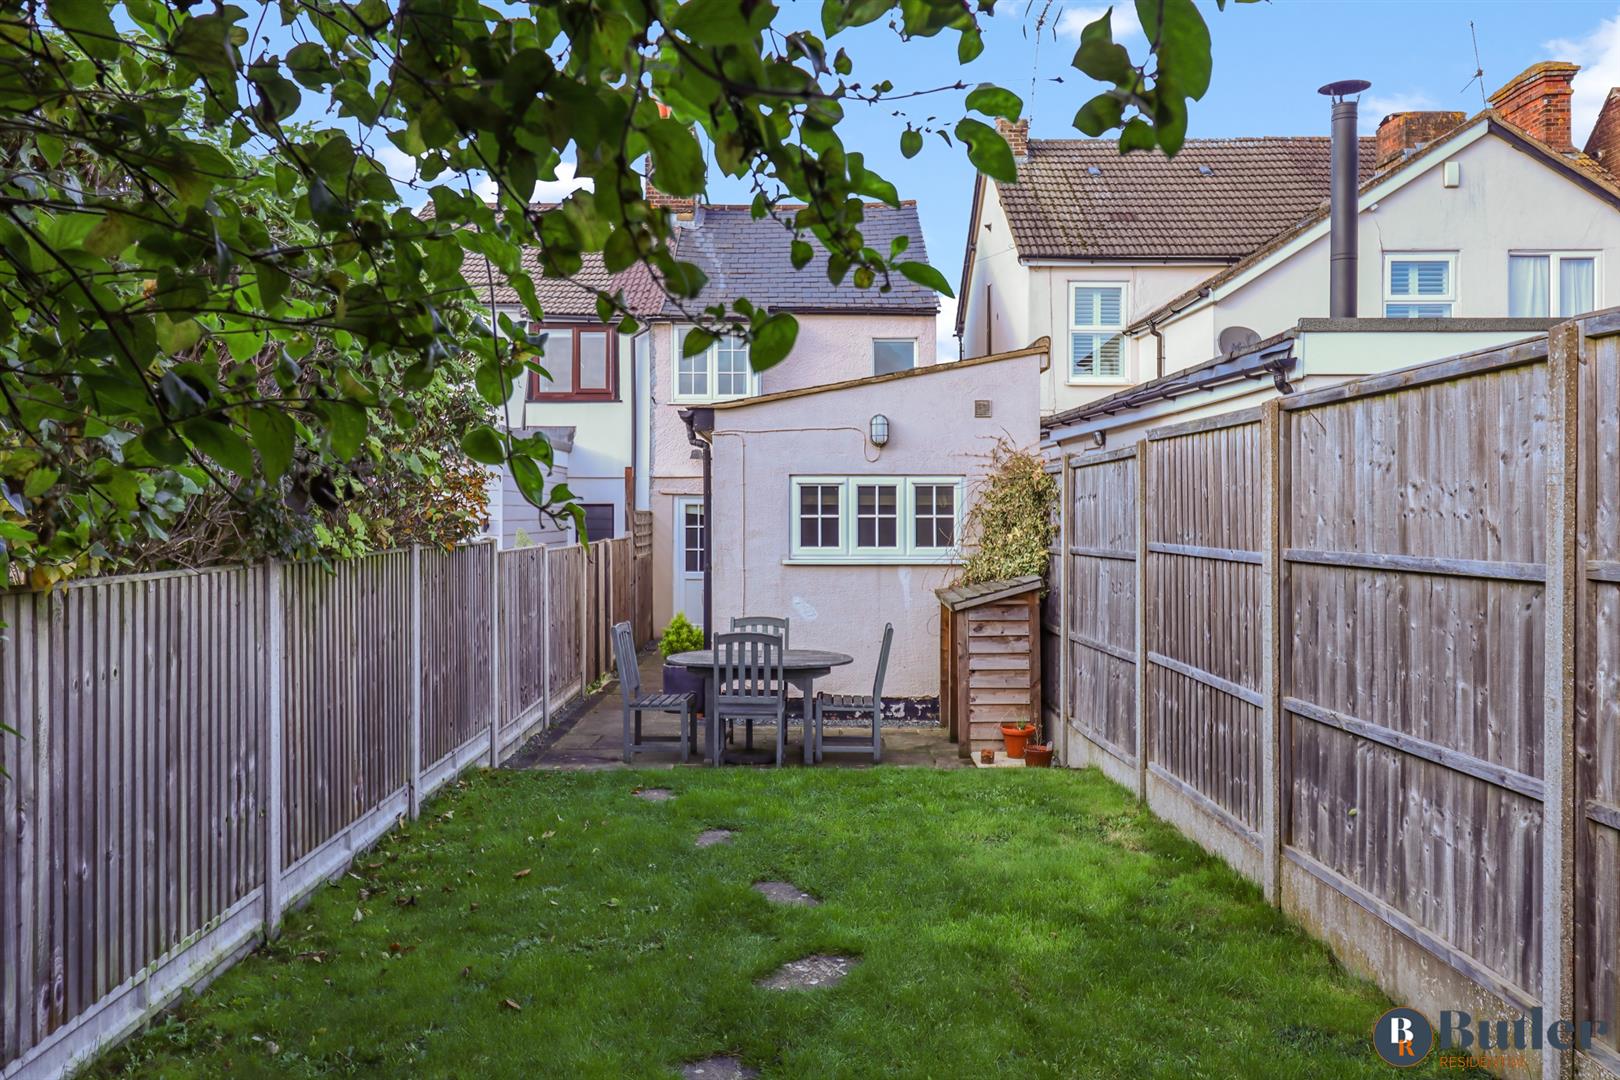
{"x": 1604, "y": 142}
{"x": 1017, "y": 136}
{"x": 1536, "y": 101}
{"x": 1346, "y": 158}
{"x": 1402, "y": 132}
{"x": 684, "y": 209}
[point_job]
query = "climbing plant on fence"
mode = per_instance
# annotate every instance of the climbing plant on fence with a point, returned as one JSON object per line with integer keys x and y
{"x": 1010, "y": 524}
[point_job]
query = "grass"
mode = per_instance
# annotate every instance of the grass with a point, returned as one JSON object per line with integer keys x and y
{"x": 1013, "y": 923}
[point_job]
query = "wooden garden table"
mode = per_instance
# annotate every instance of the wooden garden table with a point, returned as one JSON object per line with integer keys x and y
{"x": 800, "y": 668}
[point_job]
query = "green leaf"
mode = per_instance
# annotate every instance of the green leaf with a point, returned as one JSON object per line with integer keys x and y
{"x": 1184, "y": 48}
{"x": 993, "y": 100}
{"x": 493, "y": 384}
{"x": 697, "y": 339}
{"x": 111, "y": 236}
{"x": 911, "y": 142}
{"x": 773, "y": 340}
{"x": 346, "y": 427}
{"x": 721, "y": 22}
{"x": 89, "y": 23}
{"x": 483, "y": 444}
{"x": 1102, "y": 113}
{"x": 272, "y": 431}
{"x": 531, "y": 482}
{"x": 39, "y": 482}
{"x": 800, "y": 254}
{"x": 969, "y": 45}
{"x": 1099, "y": 57}
{"x": 987, "y": 150}
{"x": 923, "y": 274}
{"x": 677, "y": 158}
{"x": 220, "y": 443}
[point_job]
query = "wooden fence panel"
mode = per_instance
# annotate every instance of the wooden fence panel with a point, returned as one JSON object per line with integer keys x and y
{"x": 346, "y": 690}
{"x": 132, "y": 809}
{"x": 523, "y": 633}
{"x": 567, "y": 579}
{"x": 642, "y": 576}
{"x": 1102, "y": 629}
{"x": 1203, "y": 683}
{"x": 1413, "y": 680}
{"x": 456, "y": 636}
{"x": 1597, "y": 712}
{"x": 1051, "y": 628}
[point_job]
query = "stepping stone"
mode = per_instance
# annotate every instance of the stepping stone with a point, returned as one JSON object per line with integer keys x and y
{"x": 654, "y": 794}
{"x": 711, "y": 837}
{"x": 718, "y": 1068}
{"x": 785, "y": 892}
{"x": 810, "y": 972}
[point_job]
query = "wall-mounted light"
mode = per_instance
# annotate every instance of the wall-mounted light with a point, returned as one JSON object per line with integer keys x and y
{"x": 879, "y": 429}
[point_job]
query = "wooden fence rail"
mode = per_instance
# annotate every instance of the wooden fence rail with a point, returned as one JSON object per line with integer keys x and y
{"x": 198, "y": 750}
{"x": 1363, "y": 643}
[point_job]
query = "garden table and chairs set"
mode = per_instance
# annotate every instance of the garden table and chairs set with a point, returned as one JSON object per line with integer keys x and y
{"x": 747, "y": 674}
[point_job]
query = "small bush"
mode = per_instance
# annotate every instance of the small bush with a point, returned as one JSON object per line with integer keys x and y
{"x": 679, "y": 636}
{"x": 1010, "y": 525}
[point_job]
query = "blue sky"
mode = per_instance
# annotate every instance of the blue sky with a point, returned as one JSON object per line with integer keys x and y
{"x": 1269, "y": 60}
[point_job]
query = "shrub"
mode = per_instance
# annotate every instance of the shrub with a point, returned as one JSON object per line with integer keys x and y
{"x": 1010, "y": 526}
{"x": 679, "y": 636}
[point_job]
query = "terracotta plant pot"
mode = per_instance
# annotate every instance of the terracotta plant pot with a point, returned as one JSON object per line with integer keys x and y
{"x": 988, "y": 755}
{"x": 1038, "y": 757}
{"x": 1015, "y": 737}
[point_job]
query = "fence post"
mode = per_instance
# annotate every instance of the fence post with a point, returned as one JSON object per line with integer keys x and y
{"x": 275, "y": 664}
{"x": 1271, "y": 749}
{"x": 413, "y": 739}
{"x": 1558, "y": 698}
{"x": 584, "y": 615}
{"x": 494, "y": 653}
{"x": 1139, "y": 677}
{"x": 1065, "y": 598}
{"x": 545, "y": 638}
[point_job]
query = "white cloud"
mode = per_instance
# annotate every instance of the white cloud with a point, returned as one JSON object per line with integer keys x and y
{"x": 1075, "y": 19}
{"x": 945, "y": 344}
{"x": 1598, "y": 53}
{"x": 546, "y": 191}
{"x": 1374, "y": 107}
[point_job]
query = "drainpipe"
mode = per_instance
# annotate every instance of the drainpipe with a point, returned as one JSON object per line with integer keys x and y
{"x": 702, "y": 420}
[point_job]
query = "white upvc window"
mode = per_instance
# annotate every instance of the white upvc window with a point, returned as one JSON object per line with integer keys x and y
{"x": 1543, "y": 284}
{"x": 719, "y": 373}
{"x": 865, "y": 519}
{"x": 890, "y": 355}
{"x": 1096, "y": 332}
{"x": 1420, "y": 285}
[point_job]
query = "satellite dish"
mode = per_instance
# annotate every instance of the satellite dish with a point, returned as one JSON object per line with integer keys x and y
{"x": 1237, "y": 338}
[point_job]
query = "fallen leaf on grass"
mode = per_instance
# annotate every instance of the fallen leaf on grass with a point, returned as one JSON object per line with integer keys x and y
{"x": 358, "y": 915}
{"x": 510, "y": 1004}
{"x": 523, "y": 873}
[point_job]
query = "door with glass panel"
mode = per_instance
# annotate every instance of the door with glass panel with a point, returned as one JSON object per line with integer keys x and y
{"x": 689, "y": 557}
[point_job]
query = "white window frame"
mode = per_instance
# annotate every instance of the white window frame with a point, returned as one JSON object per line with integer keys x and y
{"x": 848, "y": 551}
{"x": 1450, "y": 299}
{"x": 711, "y": 357}
{"x": 894, "y": 340}
{"x": 1124, "y": 376}
{"x": 1554, "y": 257}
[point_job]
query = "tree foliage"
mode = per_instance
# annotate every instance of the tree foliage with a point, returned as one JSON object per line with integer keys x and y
{"x": 210, "y": 287}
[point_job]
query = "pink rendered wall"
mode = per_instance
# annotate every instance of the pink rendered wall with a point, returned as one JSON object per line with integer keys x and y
{"x": 830, "y": 348}
{"x": 758, "y": 448}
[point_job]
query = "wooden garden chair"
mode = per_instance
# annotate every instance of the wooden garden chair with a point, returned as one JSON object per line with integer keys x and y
{"x": 858, "y": 706}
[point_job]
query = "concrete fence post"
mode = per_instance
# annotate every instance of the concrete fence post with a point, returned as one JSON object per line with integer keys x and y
{"x": 275, "y": 727}
{"x": 1559, "y": 819}
{"x": 1139, "y": 677}
{"x": 1271, "y": 570}
{"x": 413, "y": 739}
{"x": 1065, "y": 597}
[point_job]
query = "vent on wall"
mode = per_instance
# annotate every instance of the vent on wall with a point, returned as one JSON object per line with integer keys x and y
{"x": 981, "y": 409}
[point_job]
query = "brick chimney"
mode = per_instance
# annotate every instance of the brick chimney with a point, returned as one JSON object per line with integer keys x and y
{"x": 1017, "y": 136}
{"x": 1401, "y": 132}
{"x": 684, "y": 209}
{"x": 1536, "y": 101}
{"x": 1604, "y": 142}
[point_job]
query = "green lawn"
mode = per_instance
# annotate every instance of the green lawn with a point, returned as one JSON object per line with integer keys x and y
{"x": 1008, "y": 923}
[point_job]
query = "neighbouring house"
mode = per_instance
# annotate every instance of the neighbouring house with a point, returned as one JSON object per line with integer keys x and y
{"x": 842, "y": 505}
{"x": 1196, "y": 284}
{"x": 592, "y": 400}
{"x": 1469, "y": 233}
{"x": 844, "y": 333}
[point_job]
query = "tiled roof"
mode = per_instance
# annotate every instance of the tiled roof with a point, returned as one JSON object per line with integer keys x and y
{"x": 1220, "y": 198}
{"x": 747, "y": 257}
{"x": 573, "y": 297}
